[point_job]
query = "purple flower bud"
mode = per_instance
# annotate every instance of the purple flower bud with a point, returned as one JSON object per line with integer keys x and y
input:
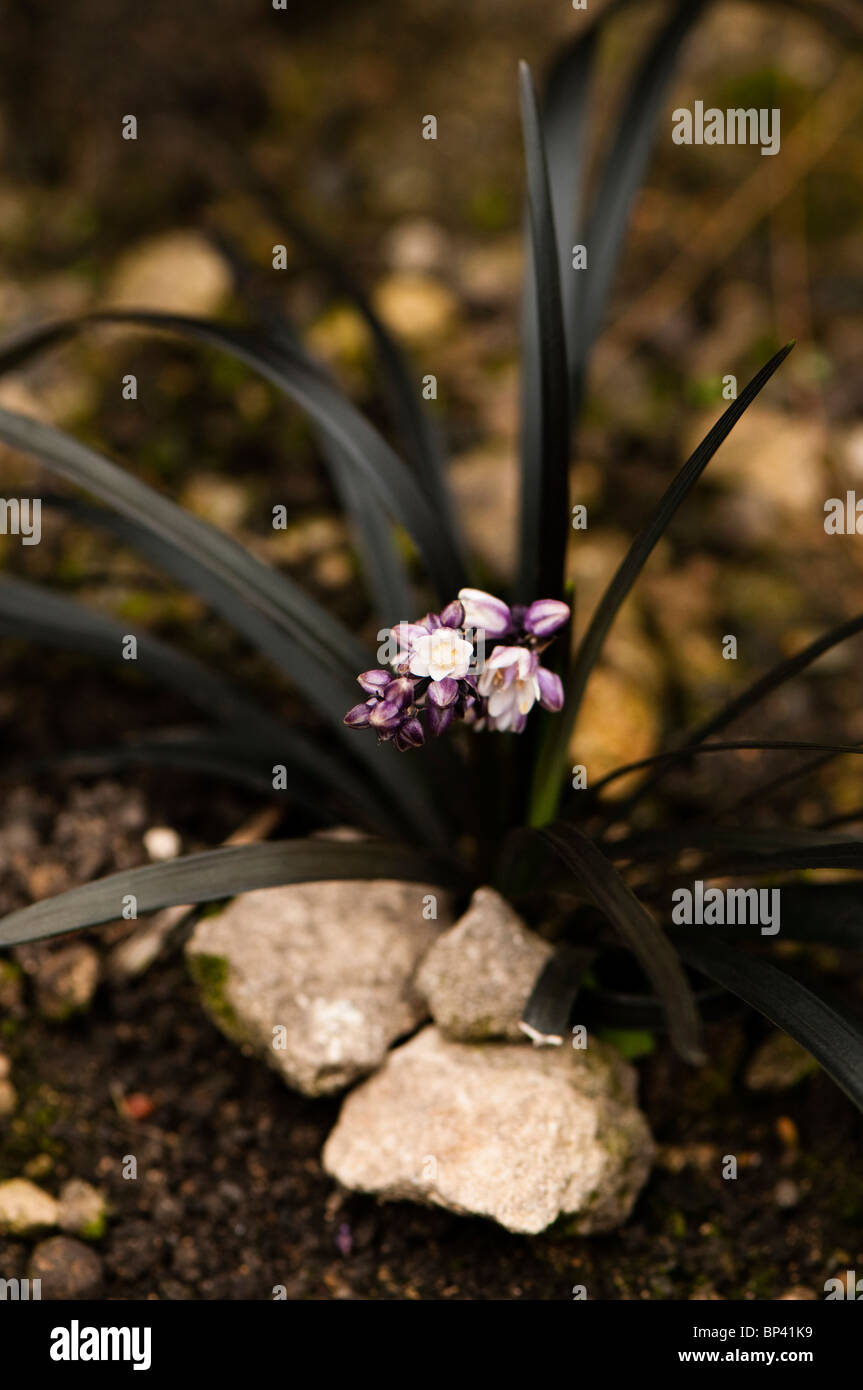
{"x": 453, "y": 615}
{"x": 483, "y": 612}
{"x": 443, "y": 692}
{"x": 439, "y": 718}
{"x": 374, "y": 681}
{"x": 550, "y": 690}
{"x": 399, "y": 692}
{"x": 358, "y": 717}
{"x": 410, "y": 735}
{"x": 431, "y": 621}
{"x": 545, "y": 616}
{"x": 385, "y": 715}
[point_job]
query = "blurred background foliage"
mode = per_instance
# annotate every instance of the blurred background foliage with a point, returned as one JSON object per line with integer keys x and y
{"x": 249, "y": 118}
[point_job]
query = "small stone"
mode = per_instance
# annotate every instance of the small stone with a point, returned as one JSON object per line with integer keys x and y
{"x": 778, "y": 1064}
{"x": 519, "y": 1134}
{"x": 478, "y": 976}
{"x": 25, "y": 1208}
{"x": 416, "y": 244}
{"x": 786, "y": 1193}
{"x": 138, "y": 1106}
{"x": 416, "y": 308}
{"x": 318, "y": 979}
{"x": 82, "y": 1210}
{"x": 47, "y": 879}
{"x": 161, "y": 842}
{"x": 68, "y": 1269}
{"x": 179, "y": 271}
{"x": 775, "y": 456}
{"x": 225, "y": 502}
{"x": 66, "y": 981}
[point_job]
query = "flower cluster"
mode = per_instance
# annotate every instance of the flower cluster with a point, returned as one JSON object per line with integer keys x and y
{"x": 438, "y": 671}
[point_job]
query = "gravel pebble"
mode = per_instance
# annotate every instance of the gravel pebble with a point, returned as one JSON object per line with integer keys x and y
{"x": 67, "y": 1268}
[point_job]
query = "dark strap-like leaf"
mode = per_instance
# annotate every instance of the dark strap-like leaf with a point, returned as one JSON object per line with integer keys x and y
{"x": 764, "y": 745}
{"x": 547, "y": 1013}
{"x": 294, "y": 374}
{"x": 39, "y": 615}
{"x": 409, "y": 414}
{"x": 565, "y": 114}
{"x": 205, "y": 547}
{"x": 321, "y": 783}
{"x": 273, "y": 614}
{"x": 756, "y": 692}
{"x": 602, "y": 885}
{"x": 222, "y": 873}
{"x": 658, "y": 846}
{"x": 825, "y": 913}
{"x": 623, "y": 171}
{"x": 553, "y": 761}
{"x": 385, "y": 567}
{"x": 822, "y": 1028}
{"x": 545, "y": 482}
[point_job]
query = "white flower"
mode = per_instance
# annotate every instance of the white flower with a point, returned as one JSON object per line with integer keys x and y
{"x": 510, "y": 685}
{"x": 440, "y": 654}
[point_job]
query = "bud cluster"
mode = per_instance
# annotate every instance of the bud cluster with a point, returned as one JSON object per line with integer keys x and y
{"x": 438, "y": 673}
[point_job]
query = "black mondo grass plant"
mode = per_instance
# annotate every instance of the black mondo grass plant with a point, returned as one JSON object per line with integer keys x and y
{"x": 469, "y": 778}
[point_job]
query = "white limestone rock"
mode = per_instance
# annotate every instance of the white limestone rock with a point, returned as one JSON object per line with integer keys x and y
{"x": 478, "y": 976}
{"x": 319, "y": 978}
{"x": 518, "y": 1134}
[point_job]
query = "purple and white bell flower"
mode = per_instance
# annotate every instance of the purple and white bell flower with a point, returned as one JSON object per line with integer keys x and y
{"x": 545, "y": 617}
{"x": 550, "y": 690}
{"x": 485, "y": 613}
{"x": 510, "y": 688}
{"x": 439, "y": 674}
